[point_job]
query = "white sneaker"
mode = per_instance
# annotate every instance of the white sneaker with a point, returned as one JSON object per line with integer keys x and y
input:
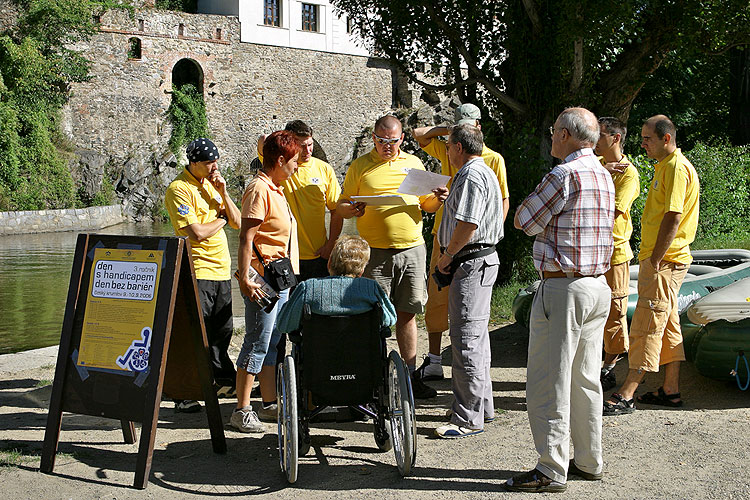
{"x": 246, "y": 420}
{"x": 269, "y": 414}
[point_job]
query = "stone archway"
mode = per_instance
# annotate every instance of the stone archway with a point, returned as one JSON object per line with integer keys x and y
{"x": 187, "y": 71}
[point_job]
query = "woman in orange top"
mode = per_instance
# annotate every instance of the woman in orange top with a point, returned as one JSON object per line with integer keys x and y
{"x": 268, "y": 225}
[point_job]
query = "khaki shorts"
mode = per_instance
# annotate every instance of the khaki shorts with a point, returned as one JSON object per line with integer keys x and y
{"x": 655, "y": 335}
{"x": 436, "y": 310}
{"x": 616, "y": 328}
{"x": 401, "y": 274}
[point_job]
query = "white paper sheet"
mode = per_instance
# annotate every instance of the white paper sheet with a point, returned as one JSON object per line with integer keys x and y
{"x": 381, "y": 199}
{"x": 420, "y": 182}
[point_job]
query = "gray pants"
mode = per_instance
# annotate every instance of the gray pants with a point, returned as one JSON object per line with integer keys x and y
{"x": 563, "y": 393}
{"x": 469, "y": 311}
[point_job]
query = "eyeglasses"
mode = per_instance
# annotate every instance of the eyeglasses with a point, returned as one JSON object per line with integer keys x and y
{"x": 385, "y": 140}
{"x": 552, "y": 131}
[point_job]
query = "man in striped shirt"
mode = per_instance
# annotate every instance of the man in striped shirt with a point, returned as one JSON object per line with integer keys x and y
{"x": 571, "y": 212}
{"x": 471, "y": 226}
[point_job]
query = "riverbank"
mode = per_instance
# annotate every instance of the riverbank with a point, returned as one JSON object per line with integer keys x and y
{"x": 698, "y": 451}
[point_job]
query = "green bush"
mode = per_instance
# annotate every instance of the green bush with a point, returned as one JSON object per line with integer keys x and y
{"x": 187, "y": 114}
{"x": 724, "y": 175}
{"x": 179, "y": 5}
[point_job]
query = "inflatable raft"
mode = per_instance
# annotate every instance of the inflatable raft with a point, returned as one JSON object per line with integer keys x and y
{"x": 716, "y": 333}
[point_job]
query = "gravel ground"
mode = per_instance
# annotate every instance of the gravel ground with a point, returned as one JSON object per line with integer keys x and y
{"x": 698, "y": 451}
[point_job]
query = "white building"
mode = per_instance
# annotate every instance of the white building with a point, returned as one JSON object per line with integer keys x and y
{"x": 308, "y": 24}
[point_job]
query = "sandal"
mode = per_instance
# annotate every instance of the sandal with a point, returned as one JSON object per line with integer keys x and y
{"x": 622, "y": 407}
{"x": 661, "y": 398}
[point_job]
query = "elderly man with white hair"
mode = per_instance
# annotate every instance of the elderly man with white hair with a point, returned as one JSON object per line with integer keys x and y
{"x": 571, "y": 212}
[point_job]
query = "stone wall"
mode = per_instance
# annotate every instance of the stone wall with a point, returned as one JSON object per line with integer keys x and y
{"x": 71, "y": 219}
{"x": 119, "y": 117}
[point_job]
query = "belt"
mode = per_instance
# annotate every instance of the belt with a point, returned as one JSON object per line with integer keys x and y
{"x": 562, "y": 274}
{"x": 473, "y": 248}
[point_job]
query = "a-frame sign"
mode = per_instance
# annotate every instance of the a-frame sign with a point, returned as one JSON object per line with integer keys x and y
{"x": 132, "y": 329}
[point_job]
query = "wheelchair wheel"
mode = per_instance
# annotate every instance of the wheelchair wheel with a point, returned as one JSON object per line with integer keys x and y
{"x": 381, "y": 431}
{"x": 401, "y": 411}
{"x": 288, "y": 425}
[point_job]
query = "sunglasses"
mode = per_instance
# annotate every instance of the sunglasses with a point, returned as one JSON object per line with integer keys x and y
{"x": 386, "y": 141}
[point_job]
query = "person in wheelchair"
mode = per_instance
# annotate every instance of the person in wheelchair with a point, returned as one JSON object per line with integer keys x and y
{"x": 344, "y": 292}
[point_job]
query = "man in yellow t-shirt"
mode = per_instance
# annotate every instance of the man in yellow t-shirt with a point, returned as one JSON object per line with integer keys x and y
{"x": 612, "y": 134}
{"x": 311, "y": 190}
{"x": 394, "y": 232}
{"x": 199, "y": 207}
{"x": 436, "y": 310}
{"x": 668, "y": 225}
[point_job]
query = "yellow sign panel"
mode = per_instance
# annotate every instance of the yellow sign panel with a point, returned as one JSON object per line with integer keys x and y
{"x": 120, "y": 308}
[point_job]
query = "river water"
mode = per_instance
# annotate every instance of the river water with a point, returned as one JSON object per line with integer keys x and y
{"x": 34, "y": 277}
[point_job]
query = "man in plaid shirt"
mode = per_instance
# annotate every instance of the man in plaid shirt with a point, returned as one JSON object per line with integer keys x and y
{"x": 571, "y": 213}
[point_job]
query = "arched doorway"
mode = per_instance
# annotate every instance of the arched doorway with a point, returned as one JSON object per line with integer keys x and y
{"x": 187, "y": 71}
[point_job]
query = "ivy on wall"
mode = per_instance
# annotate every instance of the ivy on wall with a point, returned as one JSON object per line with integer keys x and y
{"x": 187, "y": 114}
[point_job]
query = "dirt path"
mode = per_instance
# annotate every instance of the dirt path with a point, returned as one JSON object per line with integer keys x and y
{"x": 699, "y": 451}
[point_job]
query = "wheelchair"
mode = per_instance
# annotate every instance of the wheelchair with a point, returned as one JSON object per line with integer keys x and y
{"x": 341, "y": 361}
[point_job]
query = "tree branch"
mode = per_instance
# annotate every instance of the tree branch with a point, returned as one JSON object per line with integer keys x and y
{"x": 457, "y": 41}
{"x": 531, "y": 11}
{"x": 575, "y": 81}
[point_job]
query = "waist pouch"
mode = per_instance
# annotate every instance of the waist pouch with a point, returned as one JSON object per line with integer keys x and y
{"x": 472, "y": 252}
{"x": 277, "y": 273}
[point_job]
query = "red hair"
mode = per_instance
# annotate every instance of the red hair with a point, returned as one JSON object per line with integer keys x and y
{"x": 281, "y": 143}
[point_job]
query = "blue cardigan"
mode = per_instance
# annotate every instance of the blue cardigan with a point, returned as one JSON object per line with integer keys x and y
{"x": 334, "y": 296}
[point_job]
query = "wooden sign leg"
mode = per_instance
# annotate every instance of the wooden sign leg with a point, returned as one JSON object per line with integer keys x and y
{"x": 54, "y": 415}
{"x": 128, "y": 431}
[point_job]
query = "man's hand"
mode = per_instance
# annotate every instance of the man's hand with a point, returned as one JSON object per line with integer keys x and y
{"x": 441, "y": 193}
{"x": 655, "y": 263}
{"x": 218, "y": 182}
{"x": 444, "y": 263}
{"x": 325, "y": 250}
{"x": 349, "y": 209}
{"x": 615, "y": 167}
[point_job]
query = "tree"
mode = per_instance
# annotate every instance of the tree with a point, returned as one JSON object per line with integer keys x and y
{"x": 525, "y": 61}
{"x": 529, "y": 59}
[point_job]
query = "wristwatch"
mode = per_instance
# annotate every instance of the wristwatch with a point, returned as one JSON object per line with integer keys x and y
{"x": 222, "y": 216}
{"x": 451, "y": 255}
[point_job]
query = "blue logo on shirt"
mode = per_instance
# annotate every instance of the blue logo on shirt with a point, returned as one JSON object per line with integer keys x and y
{"x": 183, "y": 210}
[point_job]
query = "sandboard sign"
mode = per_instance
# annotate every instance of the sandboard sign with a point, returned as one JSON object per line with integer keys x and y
{"x": 132, "y": 330}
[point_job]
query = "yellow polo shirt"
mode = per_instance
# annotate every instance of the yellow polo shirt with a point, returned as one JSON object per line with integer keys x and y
{"x": 385, "y": 226}
{"x": 675, "y": 188}
{"x": 627, "y": 187}
{"x": 438, "y": 150}
{"x": 309, "y": 191}
{"x": 189, "y": 201}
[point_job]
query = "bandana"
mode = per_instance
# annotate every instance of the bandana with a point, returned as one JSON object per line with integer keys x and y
{"x": 202, "y": 150}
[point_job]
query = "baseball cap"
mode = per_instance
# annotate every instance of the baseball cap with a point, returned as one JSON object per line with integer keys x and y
{"x": 467, "y": 113}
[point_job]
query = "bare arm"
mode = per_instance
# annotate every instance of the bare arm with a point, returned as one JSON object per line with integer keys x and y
{"x": 200, "y": 232}
{"x": 461, "y": 236}
{"x": 667, "y": 232}
{"x": 337, "y": 222}
{"x": 231, "y": 211}
{"x": 424, "y": 135}
{"x": 506, "y": 207}
{"x": 248, "y": 229}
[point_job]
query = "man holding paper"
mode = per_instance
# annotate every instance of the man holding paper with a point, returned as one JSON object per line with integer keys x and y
{"x": 436, "y": 310}
{"x": 394, "y": 232}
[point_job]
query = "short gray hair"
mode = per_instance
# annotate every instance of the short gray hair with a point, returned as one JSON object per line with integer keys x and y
{"x": 581, "y": 124}
{"x": 469, "y": 136}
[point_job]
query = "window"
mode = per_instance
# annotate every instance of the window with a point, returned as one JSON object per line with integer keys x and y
{"x": 218, "y": 33}
{"x": 141, "y": 25}
{"x": 134, "y": 48}
{"x": 96, "y": 19}
{"x": 272, "y": 12}
{"x": 349, "y": 25}
{"x": 181, "y": 30}
{"x": 309, "y": 17}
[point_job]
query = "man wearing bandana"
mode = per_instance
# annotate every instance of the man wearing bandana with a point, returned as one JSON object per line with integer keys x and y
{"x": 199, "y": 207}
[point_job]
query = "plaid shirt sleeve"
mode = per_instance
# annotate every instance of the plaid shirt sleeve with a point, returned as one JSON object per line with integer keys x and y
{"x": 547, "y": 200}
